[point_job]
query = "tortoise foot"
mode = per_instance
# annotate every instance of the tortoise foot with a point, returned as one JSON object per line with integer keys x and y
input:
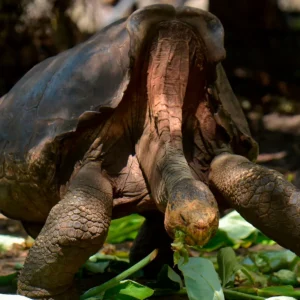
{"x": 70, "y": 293}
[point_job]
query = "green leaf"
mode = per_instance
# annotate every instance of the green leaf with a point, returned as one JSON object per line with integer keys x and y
{"x": 247, "y": 277}
{"x": 270, "y": 261}
{"x": 235, "y": 231}
{"x": 219, "y": 240}
{"x": 264, "y": 240}
{"x": 96, "y": 267}
{"x": 284, "y": 277}
{"x": 228, "y": 265}
{"x": 8, "y": 279}
{"x": 201, "y": 279}
{"x": 285, "y": 290}
{"x": 124, "y": 229}
{"x": 98, "y": 291}
{"x": 98, "y": 263}
{"x": 168, "y": 279}
{"x": 236, "y": 227}
{"x": 128, "y": 289}
{"x": 179, "y": 247}
{"x": 174, "y": 277}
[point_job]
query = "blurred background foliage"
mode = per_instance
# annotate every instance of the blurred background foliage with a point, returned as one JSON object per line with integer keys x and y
{"x": 262, "y": 39}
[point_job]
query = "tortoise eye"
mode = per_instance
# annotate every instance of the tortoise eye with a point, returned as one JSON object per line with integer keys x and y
{"x": 183, "y": 219}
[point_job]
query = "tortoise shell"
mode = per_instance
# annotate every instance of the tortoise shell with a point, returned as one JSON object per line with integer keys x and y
{"x": 80, "y": 85}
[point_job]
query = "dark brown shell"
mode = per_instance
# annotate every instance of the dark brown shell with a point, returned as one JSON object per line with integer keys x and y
{"x": 54, "y": 96}
{"x": 62, "y": 92}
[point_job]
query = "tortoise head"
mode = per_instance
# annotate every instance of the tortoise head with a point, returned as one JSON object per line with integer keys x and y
{"x": 191, "y": 114}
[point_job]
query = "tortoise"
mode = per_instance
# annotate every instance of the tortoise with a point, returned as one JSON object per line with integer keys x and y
{"x": 140, "y": 118}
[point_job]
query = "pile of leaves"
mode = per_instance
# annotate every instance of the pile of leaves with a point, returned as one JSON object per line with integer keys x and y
{"x": 212, "y": 272}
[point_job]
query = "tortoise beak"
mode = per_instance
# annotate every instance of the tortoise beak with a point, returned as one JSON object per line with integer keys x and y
{"x": 192, "y": 210}
{"x": 198, "y": 222}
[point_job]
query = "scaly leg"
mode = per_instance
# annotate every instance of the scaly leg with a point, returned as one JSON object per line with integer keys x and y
{"x": 75, "y": 229}
{"x": 262, "y": 196}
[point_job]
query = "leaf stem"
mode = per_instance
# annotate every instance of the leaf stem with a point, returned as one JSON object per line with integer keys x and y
{"x": 114, "y": 281}
{"x": 240, "y": 296}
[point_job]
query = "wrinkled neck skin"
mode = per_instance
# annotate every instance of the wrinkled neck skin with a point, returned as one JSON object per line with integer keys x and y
{"x": 176, "y": 56}
{"x": 160, "y": 149}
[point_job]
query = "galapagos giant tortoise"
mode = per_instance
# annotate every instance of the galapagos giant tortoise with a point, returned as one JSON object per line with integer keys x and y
{"x": 139, "y": 118}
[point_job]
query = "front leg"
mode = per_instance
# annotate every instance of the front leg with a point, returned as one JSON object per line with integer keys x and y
{"x": 262, "y": 196}
{"x": 75, "y": 229}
